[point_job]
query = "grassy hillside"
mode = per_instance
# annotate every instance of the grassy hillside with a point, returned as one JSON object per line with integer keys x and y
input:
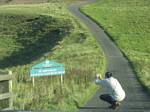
{"x": 2, "y": 2}
{"x": 27, "y": 33}
{"x": 127, "y": 22}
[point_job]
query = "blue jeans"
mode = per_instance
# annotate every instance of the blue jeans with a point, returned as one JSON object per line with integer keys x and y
{"x": 107, "y": 98}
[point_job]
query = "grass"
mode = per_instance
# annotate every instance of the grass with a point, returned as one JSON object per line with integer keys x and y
{"x": 4, "y": 2}
{"x": 127, "y": 22}
{"x": 27, "y": 34}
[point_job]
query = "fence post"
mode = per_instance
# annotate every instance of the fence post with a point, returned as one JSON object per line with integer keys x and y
{"x": 6, "y": 90}
{"x": 10, "y": 91}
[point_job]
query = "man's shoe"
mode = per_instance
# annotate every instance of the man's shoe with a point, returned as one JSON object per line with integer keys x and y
{"x": 112, "y": 106}
{"x": 115, "y": 105}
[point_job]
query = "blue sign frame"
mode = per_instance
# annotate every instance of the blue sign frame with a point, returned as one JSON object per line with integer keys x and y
{"x": 47, "y": 68}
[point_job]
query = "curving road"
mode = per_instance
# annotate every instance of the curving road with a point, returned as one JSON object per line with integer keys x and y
{"x": 137, "y": 100}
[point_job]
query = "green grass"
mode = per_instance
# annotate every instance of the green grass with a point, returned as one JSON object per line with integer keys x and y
{"x": 27, "y": 33}
{"x": 10, "y": 2}
{"x": 127, "y": 22}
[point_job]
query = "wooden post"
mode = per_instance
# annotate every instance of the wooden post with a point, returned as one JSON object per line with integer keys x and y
{"x": 10, "y": 91}
{"x": 61, "y": 79}
{"x": 61, "y": 82}
{"x": 33, "y": 81}
{"x": 6, "y": 81}
{"x": 51, "y": 85}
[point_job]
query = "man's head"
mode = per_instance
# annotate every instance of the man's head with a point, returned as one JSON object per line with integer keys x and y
{"x": 108, "y": 74}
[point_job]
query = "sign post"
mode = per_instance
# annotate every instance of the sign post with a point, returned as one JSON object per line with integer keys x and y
{"x": 61, "y": 79}
{"x": 33, "y": 81}
{"x": 47, "y": 68}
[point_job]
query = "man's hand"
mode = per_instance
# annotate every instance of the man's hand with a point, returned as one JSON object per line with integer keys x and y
{"x": 98, "y": 76}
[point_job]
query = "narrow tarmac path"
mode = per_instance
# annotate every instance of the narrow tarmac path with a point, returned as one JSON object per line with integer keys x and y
{"x": 137, "y": 100}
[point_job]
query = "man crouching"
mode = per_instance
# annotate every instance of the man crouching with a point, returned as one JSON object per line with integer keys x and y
{"x": 115, "y": 93}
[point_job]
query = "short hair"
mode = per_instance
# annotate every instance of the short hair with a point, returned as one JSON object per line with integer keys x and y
{"x": 108, "y": 74}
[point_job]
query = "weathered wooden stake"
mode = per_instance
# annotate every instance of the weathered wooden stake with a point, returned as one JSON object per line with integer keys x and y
{"x": 61, "y": 79}
{"x": 51, "y": 85}
{"x": 61, "y": 84}
{"x": 33, "y": 81}
{"x": 10, "y": 91}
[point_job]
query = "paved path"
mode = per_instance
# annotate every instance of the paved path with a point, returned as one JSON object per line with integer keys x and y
{"x": 137, "y": 100}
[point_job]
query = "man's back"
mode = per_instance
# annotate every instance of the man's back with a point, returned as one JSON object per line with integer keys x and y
{"x": 113, "y": 87}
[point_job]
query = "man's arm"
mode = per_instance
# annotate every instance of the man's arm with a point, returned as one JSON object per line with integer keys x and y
{"x": 99, "y": 79}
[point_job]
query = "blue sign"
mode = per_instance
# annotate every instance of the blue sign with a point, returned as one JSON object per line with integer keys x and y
{"x": 47, "y": 68}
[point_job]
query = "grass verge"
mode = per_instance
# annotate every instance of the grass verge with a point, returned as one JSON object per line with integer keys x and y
{"x": 127, "y": 22}
{"x": 27, "y": 33}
